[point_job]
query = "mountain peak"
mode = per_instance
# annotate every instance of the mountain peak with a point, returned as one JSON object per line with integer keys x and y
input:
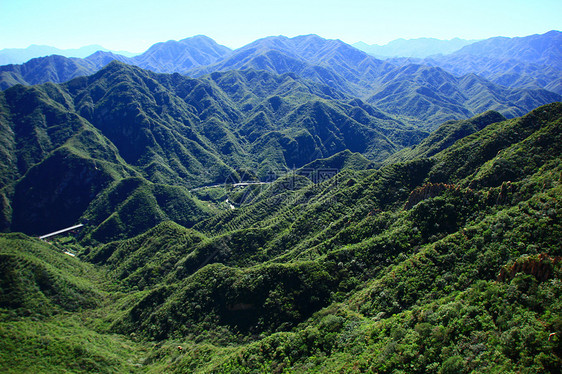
{"x": 199, "y": 37}
{"x": 180, "y": 56}
{"x": 116, "y": 66}
{"x": 310, "y": 37}
{"x": 553, "y": 33}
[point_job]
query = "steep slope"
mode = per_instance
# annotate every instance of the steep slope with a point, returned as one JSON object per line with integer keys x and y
{"x": 542, "y": 49}
{"x": 446, "y": 264}
{"x": 445, "y": 136}
{"x": 448, "y": 283}
{"x": 43, "y": 292}
{"x": 390, "y": 256}
{"x": 422, "y": 95}
{"x": 136, "y": 262}
{"x": 299, "y": 121}
{"x": 493, "y": 145}
{"x": 169, "y": 57}
{"x": 58, "y": 161}
{"x": 9, "y": 56}
{"x": 38, "y": 278}
{"x": 223, "y": 127}
{"x": 330, "y": 62}
{"x": 143, "y": 118}
{"x": 396, "y": 89}
{"x": 56, "y": 69}
{"x": 345, "y": 160}
{"x": 506, "y": 72}
{"x": 226, "y": 111}
{"x": 63, "y": 162}
{"x": 176, "y": 131}
{"x": 132, "y": 206}
{"x": 101, "y": 58}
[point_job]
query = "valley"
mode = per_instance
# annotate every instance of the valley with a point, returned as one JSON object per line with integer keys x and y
{"x": 294, "y": 205}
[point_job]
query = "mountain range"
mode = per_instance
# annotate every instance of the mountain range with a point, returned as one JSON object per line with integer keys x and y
{"x": 295, "y": 205}
{"x": 173, "y": 130}
{"x": 169, "y": 57}
{"x": 531, "y": 62}
{"x": 413, "y": 92}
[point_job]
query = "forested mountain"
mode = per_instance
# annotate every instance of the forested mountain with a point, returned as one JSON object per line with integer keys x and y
{"x": 445, "y": 136}
{"x": 428, "y": 96}
{"x": 443, "y": 264}
{"x": 53, "y": 68}
{"x": 507, "y": 72}
{"x": 125, "y": 122}
{"x": 181, "y": 56}
{"x": 169, "y": 57}
{"x": 542, "y": 49}
{"x": 331, "y": 62}
{"x": 420, "y": 94}
{"x": 295, "y": 205}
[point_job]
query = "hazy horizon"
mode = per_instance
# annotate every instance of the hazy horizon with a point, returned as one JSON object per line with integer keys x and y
{"x": 136, "y": 25}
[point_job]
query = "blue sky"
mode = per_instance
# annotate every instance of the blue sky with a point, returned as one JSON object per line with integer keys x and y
{"x": 134, "y": 25}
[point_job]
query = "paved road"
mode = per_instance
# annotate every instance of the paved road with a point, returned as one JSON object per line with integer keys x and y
{"x": 240, "y": 184}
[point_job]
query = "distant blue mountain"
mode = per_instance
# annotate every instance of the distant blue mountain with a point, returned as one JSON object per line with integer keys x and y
{"x": 21, "y": 55}
{"x": 543, "y": 49}
{"x": 169, "y": 57}
{"x": 533, "y": 61}
{"x": 420, "y": 47}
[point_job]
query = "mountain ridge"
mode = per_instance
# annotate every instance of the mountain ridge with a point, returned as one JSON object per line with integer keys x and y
{"x": 531, "y": 61}
{"x": 542, "y": 49}
{"x": 329, "y": 62}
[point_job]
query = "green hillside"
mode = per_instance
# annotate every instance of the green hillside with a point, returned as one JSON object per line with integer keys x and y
{"x": 447, "y": 261}
{"x": 128, "y": 140}
{"x": 428, "y": 96}
{"x": 445, "y": 136}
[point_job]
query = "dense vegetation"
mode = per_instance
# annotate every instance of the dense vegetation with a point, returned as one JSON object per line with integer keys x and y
{"x": 295, "y": 205}
{"x": 96, "y": 146}
{"x": 446, "y": 259}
